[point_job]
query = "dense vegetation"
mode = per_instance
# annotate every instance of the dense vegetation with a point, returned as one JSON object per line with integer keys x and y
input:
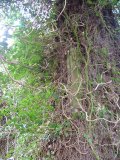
{"x": 59, "y": 80}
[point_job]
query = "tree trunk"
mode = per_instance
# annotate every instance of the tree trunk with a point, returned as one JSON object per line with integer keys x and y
{"x": 88, "y": 48}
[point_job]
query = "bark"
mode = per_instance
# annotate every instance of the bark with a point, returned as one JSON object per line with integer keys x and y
{"x": 90, "y": 32}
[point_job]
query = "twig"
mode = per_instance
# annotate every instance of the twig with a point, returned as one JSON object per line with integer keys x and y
{"x": 97, "y": 119}
{"x": 102, "y": 84}
{"x": 62, "y": 10}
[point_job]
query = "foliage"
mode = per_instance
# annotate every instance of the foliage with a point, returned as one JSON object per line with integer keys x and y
{"x": 27, "y": 91}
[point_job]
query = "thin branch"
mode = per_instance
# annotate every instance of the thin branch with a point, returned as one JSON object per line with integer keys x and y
{"x": 62, "y": 10}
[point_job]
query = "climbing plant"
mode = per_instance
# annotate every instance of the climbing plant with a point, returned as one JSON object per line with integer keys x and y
{"x": 59, "y": 80}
